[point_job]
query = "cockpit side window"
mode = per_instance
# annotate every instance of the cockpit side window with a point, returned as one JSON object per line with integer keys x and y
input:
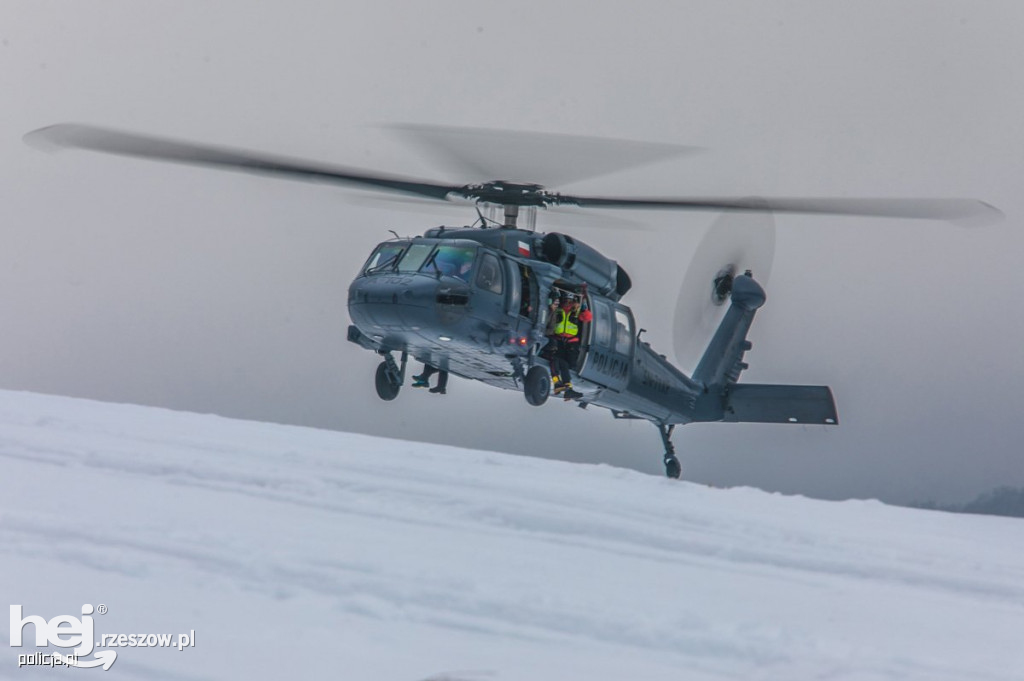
{"x": 384, "y": 258}
{"x": 452, "y": 261}
{"x": 414, "y": 257}
{"x": 488, "y": 274}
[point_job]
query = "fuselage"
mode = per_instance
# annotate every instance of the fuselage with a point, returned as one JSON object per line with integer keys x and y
{"x": 475, "y": 302}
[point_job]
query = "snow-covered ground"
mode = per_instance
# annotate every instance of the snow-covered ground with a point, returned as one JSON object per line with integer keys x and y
{"x": 294, "y": 553}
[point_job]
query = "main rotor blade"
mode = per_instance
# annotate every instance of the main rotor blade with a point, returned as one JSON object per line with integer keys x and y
{"x": 77, "y": 136}
{"x": 967, "y": 212}
{"x": 549, "y": 159}
{"x": 964, "y": 212}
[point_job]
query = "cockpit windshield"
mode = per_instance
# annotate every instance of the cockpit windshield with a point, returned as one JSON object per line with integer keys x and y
{"x": 384, "y": 258}
{"x": 414, "y": 257}
{"x": 452, "y": 261}
{"x": 445, "y": 260}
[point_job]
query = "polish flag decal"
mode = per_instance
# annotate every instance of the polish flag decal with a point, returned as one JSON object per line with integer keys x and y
{"x": 524, "y": 249}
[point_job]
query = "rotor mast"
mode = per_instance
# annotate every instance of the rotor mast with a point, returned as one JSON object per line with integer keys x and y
{"x": 512, "y": 216}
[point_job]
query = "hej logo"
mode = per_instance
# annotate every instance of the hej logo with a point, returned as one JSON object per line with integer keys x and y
{"x": 63, "y": 631}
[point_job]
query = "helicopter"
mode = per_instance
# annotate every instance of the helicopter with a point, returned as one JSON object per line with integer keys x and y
{"x": 476, "y": 300}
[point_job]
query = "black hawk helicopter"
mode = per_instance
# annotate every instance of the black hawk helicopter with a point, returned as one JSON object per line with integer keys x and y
{"x": 475, "y": 301}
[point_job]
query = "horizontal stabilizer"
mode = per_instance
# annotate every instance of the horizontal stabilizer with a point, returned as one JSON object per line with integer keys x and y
{"x": 753, "y": 403}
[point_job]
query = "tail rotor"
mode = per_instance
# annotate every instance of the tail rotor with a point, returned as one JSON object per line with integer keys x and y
{"x": 734, "y": 243}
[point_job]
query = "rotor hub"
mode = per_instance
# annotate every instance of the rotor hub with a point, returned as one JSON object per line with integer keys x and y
{"x": 721, "y": 286}
{"x": 505, "y": 193}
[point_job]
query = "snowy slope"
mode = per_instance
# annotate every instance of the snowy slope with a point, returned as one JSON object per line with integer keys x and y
{"x": 305, "y": 554}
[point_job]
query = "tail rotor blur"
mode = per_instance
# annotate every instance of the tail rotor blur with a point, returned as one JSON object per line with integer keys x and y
{"x": 734, "y": 243}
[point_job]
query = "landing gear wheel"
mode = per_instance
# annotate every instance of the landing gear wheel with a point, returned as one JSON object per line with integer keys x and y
{"x": 537, "y": 386}
{"x": 672, "y": 467}
{"x": 387, "y": 388}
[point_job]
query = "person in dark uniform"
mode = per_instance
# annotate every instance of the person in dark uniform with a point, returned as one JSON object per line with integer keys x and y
{"x": 423, "y": 380}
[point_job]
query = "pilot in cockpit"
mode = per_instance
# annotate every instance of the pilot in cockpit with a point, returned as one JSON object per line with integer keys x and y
{"x": 454, "y": 262}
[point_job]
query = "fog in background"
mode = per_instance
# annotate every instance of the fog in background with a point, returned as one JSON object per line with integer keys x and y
{"x": 130, "y": 281}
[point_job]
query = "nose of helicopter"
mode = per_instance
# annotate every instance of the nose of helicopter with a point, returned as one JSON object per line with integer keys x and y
{"x": 410, "y": 305}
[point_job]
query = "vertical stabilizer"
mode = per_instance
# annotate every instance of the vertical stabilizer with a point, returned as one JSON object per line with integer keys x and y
{"x": 723, "y": 359}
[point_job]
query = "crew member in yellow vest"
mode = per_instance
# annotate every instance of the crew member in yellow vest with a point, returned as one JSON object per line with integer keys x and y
{"x": 564, "y": 330}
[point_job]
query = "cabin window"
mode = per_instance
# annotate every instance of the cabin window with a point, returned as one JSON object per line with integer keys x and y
{"x": 414, "y": 257}
{"x": 601, "y": 331}
{"x": 488, "y": 274}
{"x": 623, "y": 332}
{"x": 452, "y": 261}
{"x": 384, "y": 258}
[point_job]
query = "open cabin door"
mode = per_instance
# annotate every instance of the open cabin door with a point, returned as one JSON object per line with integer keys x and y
{"x": 610, "y": 347}
{"x": 521, "y": 296}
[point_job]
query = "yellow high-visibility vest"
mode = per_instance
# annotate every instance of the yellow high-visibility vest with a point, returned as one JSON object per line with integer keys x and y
{"x": 565, "y": 326}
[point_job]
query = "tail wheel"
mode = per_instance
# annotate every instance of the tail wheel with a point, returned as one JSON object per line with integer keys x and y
{"x": 387, "y": 387}
{"x": 537, "y": 386}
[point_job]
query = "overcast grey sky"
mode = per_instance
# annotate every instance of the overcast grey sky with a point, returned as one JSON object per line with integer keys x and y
{"x": 130, "y": 281}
